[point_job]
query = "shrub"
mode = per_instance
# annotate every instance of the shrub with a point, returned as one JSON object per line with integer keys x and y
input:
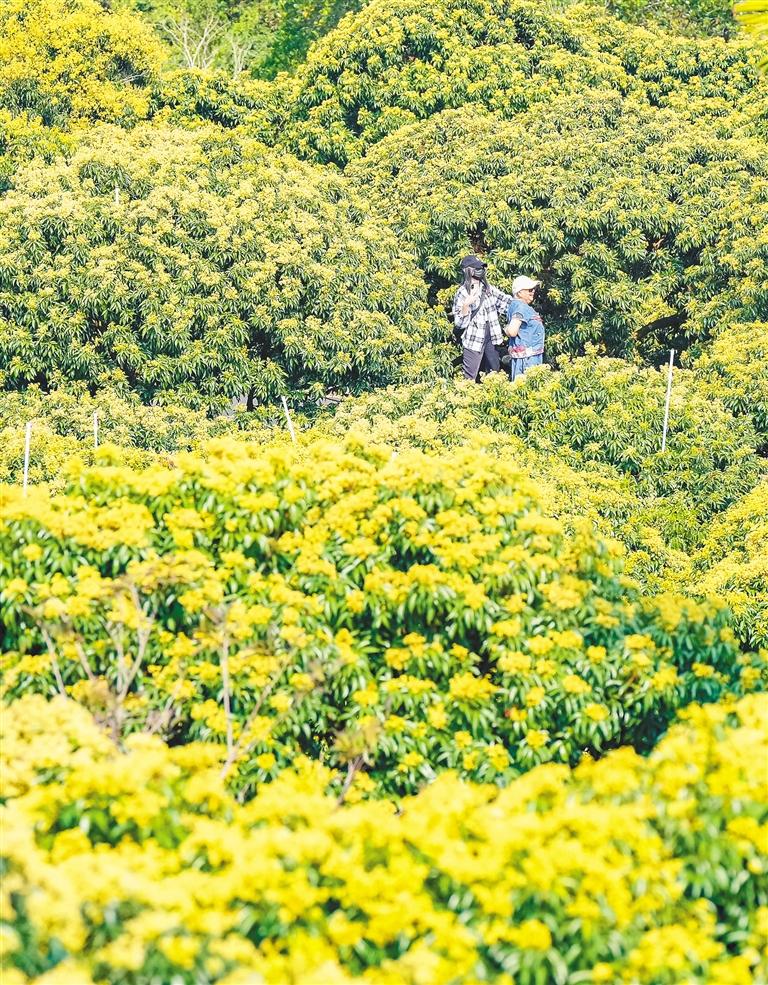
{"x": 62, "y": 430}
{"x": 224, "y": 269}
{"x": 647, "y": 229}
{"x": 592, "y": 412}
{"x": 733, "y": 565}
{"x": 734, "y": 369}
{"x": 189, "y": 98}
{"x": 398, "y": 614}
{"x": 398, "y": 62}
{"x": 71, "y": 61}
{"x": 695, "y": 18}
{"x": 648, "y": 871}
{"x": 298, "y": 25}
{"x": 22, "y": 138}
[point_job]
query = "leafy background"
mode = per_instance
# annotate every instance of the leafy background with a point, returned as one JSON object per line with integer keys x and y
{"x": 465, "y": 684}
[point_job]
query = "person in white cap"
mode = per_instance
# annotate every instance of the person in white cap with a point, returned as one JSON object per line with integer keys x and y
{"x": 524, "y": 328}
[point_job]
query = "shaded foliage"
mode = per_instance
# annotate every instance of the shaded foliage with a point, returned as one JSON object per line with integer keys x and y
{"x": 646, "y": 229}
{"x": 220, "y": 269}
{"x": 398, "y": 62}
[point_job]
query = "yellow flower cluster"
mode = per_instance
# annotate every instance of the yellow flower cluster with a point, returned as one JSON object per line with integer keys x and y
{"x": 340, "y": 601}
{"x": 613, "y": 872}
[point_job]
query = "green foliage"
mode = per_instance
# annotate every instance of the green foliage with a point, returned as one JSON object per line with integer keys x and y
{"x": 298, "y": 25}
{"x": 22, "y": 138}
{"x": 398, "y": 62}
{"x": 607, "y": 411}
{"x": 224, "y": 269}
{"x": 345, "y": 603}
{"x": 474, "y": 579}
{"x": 70, "y": 61}
{"x": 646, "y": 229}
{"x": 128, "y": 431}
{"x": 695, "y": 18}
{"x": 644, "y": 870}
{"x": 733, "y": 368}
{"x": 732, "y": 564}
{"x": 191, "y": 98}
{"x": 593, "y": 412}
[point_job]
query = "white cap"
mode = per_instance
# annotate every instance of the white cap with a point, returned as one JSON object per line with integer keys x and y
{"x": 523, "y": 283}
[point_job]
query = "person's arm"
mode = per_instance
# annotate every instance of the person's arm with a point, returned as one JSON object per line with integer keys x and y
{"x": 514, "y": 318}
{"x": 463, "y": 304}
{"x": 501, "y": 300}
{"x": 512, "y": 328}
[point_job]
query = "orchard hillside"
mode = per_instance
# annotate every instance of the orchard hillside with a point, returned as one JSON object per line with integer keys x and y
{"x": 319, "y": 663}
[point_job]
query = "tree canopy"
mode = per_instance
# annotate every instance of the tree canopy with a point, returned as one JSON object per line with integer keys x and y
{"x": 256, "y": 661}
{"x": 624, "y": 167}
{"x": 646, "y": 229}
{"x": 195, "y": 266}
{"x": 398, "y": 62}
{"x": 66, "y": 61}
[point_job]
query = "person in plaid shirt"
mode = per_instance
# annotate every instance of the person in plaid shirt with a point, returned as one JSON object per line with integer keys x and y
{"x": 476, "y": 310}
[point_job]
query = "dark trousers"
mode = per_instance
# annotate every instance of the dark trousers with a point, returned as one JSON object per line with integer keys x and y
{"x": 471, "y": 361}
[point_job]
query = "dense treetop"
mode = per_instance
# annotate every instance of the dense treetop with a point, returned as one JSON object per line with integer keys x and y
{"x": 70, "y": 61}
{"x": 608, "y": 159}
{"x": 395, "y": 63}
{"x": 734, "y": 368}
{"x": 186, "y": 236}
{"x": 491, "y": 580}
{"x": 645, "y": 227}
{"x": 198, "y": 266}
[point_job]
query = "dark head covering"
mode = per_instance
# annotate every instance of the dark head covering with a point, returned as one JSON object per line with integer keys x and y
{"x": 468, "y": 265}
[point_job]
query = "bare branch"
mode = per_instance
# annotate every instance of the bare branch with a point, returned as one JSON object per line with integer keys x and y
{"x": 54, "y": 661}
{"x": 240, "y": 54}
{"x": 84, "y": 663}
{"x": 226, "y": 692}
{"x": 353, "y": 768}
{"x": 238, "y": 746}
{"x": 197, "y": 43}
{"x": 143, "y": 634}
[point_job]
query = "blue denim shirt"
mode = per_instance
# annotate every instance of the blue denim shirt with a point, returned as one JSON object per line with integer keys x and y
{"x": 530, "y": 339}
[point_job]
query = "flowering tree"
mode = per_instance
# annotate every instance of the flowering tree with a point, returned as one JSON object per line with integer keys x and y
{"x": 196, "y": 267}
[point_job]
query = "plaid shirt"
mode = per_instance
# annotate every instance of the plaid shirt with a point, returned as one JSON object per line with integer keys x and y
{"x": 482, "y": 319}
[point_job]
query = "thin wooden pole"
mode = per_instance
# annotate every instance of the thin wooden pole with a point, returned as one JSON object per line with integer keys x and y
{"x": 27, "y": 444}
{"x": 117, "y": 195}
{"x": 666, "y": 405}
{"x": 288, "y": 419}
{"x": 95, "y": 429}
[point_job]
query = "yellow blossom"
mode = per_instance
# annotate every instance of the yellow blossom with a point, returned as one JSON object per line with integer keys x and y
{"x": 467, "y": 687}
{"x": 281, "y": 702}
{"x": 497, "y": 756}
{"x": 536, "y": 738}
{"x": 596, "y": 712}
{"x": 534, "y": 697}
{"x": 515, "y": 662}
{"x": 574, "y": 684}
{"x": 437, "y": 716}
{"x": 532, "y": 935}
{"x": 596, "y": 654}
{"x": 703, "y": 670}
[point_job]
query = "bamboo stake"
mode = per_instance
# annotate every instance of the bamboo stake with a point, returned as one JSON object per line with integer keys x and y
{"x": 27, "y": 443}
{"x": 669, "y": 396}
{"x": 288, "y": 419}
